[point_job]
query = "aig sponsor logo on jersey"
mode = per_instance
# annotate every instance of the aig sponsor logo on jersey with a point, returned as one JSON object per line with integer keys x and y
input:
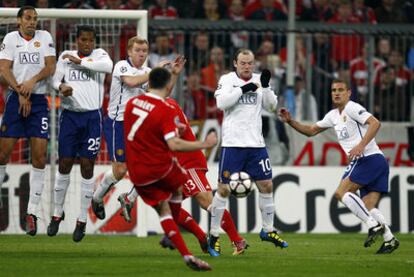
{"x": 343, "y": 133}
{"x": 248, "y": 99}
{"x": 29, "y": 58}
{"x": 79, "y": 75}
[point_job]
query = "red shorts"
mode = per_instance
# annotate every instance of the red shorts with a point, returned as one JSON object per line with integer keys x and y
{"x": 197, "y": 182}
{"x": 162, "y": 190}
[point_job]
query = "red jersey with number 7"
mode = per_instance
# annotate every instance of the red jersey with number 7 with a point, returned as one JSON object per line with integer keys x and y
{"x": 149, "y": 121}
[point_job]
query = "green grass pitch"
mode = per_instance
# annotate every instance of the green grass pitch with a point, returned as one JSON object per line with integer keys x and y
{"x": 307, "y": 255}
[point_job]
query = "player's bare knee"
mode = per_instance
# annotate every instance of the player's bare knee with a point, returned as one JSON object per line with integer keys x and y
{"x": 223, "y": 190}
{"x": 39, "y": 162}
{"x": 163, "y": 209}
{"x": 65, "y": 165}
{"x": 338, "y": 195}
{"x": 4, "y": 158}
{"x": 265, "y": 186}
{"x": 204, "y": 199}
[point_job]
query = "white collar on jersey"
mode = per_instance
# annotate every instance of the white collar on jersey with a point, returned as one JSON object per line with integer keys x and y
{"x": 150, "y": 94}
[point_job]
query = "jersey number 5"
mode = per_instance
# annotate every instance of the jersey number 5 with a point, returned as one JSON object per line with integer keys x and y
{"x": 141, "y": 117}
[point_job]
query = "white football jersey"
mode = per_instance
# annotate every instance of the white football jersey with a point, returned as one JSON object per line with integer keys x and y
{"x": 28, "y": 56}
{"x": 350, "y": 127}
{"x": 120, "y": 93}
{"x": 86, "y": 79}
{"x": 242, "y": 123}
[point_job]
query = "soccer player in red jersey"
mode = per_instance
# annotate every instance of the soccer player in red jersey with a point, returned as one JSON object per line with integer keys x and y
{"x": 197, "y": 186}
{"x": 151, "y": 137}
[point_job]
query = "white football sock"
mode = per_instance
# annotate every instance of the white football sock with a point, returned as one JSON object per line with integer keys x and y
{"x": 378, "y": 216}
{"x": 37, "y": 181}
{"x": 267, "y": 207}
{"x": 107, "y": 182}
{"x": 132, "y": 195}
{"x": 86, "y": 197}
{"x": 217, "y": 208}
{"x": 61, "y": 187}
{"x": 357, "y": 207}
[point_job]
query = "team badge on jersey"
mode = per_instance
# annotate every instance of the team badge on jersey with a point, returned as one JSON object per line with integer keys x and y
{"x": 3, "y": 128}
{"x": 123, "y": 69}
{"x": 2, "y": 46}
{"x": 36, "y": 44}
{"x": 120, "y": 152}
{"x": 344, "y": 118}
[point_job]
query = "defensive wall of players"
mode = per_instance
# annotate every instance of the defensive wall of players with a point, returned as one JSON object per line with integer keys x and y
{"x": 303, "y": 194}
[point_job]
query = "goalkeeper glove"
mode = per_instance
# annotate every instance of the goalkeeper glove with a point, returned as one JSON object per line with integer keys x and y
{"x": 265, "y": 78}
{"x": 249, "y": 87}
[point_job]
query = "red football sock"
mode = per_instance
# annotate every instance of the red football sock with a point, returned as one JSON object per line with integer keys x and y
{"x": 175, "y": 210}
{"x": 228, "y": 225}
{"x": 172, "y": 232}
{"x": 186, "y": 221}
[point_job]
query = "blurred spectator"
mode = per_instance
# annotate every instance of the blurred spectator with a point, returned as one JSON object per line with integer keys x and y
{"x": 78, "y": 4}
{"x": 185, "y": 8}
{"x": 403, "y": 74}
{"x": 162, "y": 51}
{"x": 42, "y": 4}
{"x": 408, "y": 8}
{"x": 310, "y": 112}
{"x": 198, "y": 95}
{"x": 300, "y": 56}
{"x": 383, "y": 49}
{"x": 236, "y": 10}
{"x": 345, "y": 47}
{"x": 359, "y": 74}
{"x": 254, "y": 5}
{"x": 322, "y": 73}
{"x": 199, "y": 51}
{"x": 410, "y": 57}
{"x": 389, "y": 12}
{"x": 133, "y": 5}
{"x": 365, "y": 14}
{"x": 275, "y": 66}
{"x": 392, "y": 102}
{"x": 9, "y": 3}
{"x": 210, "y": 10}
{"x": 318, "y": 10}
{"x": 266, "y": 48}
{"x": 161, "y": 10}
{"x": 268, "y": 12}
{"x": 211, "y": 74}
{"x": 111, "y": 4}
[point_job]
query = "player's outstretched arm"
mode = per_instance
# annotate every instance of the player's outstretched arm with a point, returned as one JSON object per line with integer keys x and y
{"x": 134, "y": 81}
{"x": 307, "y": 130}
{"x": 181, "y": 145}
{"x": 102, "y": 63}
{"x": 176, "y": 68}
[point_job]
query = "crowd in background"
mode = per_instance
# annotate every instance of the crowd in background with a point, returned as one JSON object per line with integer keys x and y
{"x": 368, "y": 11}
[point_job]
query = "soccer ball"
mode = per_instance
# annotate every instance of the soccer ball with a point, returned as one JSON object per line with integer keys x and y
{"x": 240, "y": 184}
